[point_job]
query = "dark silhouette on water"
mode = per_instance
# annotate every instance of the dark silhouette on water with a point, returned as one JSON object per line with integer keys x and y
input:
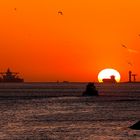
{"x": 9, "y": 76}
{"x": 130, "y": 74}
{"x": 90, "y": 90}
{"x": 130, "y": 77}
{"x": 136, "y": 126}
{"x": 65, "y": 81}
{"x": 134, "y": 77}
{"x": 109, "y": 80}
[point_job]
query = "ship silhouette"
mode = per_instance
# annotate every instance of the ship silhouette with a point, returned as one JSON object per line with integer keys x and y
{"x": 10, "y": 76}
{"x": 109, "y": 80}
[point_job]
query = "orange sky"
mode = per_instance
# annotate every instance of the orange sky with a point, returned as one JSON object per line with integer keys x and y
{"x": 45, "y": 46}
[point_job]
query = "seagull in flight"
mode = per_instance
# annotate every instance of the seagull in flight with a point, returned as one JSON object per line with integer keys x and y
{"x": 60, "y": 12}
{"x": 124, "y": 46}
{"x": 130, "y": 63}
{"x": 130, "y": 50}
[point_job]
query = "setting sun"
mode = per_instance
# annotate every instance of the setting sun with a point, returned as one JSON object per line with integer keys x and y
{"x": 107, "y": 73}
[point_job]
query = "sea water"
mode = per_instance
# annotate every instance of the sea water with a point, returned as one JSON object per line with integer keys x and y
{"x": 57, "y": 111}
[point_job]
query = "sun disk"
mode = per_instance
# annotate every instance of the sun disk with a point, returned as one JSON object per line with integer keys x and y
{"x": 107, "y": 73}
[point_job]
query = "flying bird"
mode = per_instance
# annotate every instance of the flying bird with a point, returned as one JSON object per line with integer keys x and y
{"x": 130, "y": 63}
{"x": 60, "y": 12}
{"x": 130, "y": 50}
{"x": 124, "y": 46}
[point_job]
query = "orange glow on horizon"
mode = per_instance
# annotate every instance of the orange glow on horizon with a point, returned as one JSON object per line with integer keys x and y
{"x": 43, "y": 45}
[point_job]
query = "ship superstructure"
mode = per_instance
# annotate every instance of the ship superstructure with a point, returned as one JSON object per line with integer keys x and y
{"x": 109, "y": 80}
{"x": 10, "y": 76}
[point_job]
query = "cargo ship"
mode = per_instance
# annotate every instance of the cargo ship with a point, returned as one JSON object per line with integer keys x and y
{"x": 109, "y": 80}
{"x": 10, "y": 76}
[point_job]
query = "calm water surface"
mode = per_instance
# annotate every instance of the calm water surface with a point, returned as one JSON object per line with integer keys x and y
{"x": 72, "y": 117}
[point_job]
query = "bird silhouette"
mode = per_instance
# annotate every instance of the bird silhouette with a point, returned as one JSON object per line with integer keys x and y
{"x": 124, "y": 46}
{"x": 60, "y": 12}
{"x": 130, "y": 63}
